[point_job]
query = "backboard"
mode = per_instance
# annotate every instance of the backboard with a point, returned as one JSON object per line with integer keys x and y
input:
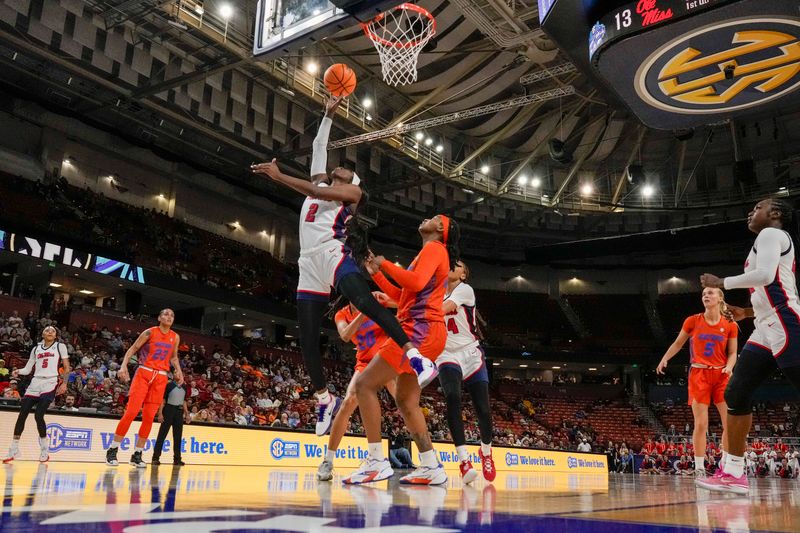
{"x": 283, "y": 26}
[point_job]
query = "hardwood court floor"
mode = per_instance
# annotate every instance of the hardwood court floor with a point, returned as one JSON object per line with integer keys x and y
{"x": 88, "y": 498}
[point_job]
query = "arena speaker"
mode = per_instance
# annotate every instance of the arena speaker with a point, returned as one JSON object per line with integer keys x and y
{"x": 635, "y": 174}
{"x": 558, "y": 152}
{"x": 744, "y": 172}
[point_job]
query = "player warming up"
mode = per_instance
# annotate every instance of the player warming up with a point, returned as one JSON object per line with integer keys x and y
{"x": 419, "y": 298}
{"x": 775, "y": 342}
{"x": 463, "y": 361}
{"x": 326, "y": 261}
{"x": 42, "y": 390}
{"x": 353, "y": 327}
{"x": 157, "y": 348}
{"x": 712, "y": 337}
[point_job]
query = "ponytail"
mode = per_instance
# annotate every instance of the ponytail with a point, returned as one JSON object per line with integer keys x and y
{"x": 723, "y": 307}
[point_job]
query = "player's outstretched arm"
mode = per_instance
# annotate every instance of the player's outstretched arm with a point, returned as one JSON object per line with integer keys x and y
{"x": 319, "y": 152}
{"x": 349, "y": 194}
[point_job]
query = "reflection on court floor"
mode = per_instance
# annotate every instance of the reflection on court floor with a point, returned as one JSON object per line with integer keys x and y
{"x": 89, "y": 497}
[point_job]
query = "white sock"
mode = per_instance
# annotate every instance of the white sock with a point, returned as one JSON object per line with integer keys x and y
{"x": 330, "y": 455}
{"x": 376, "y": 451}
{"x": 413, "y": 352}
{"x": 428, "y": 459}
{"x": 486, "y": 449}
{"x": 463, "y": 454}
{"x": 114, "y": 444}
{"x": 14, "y": 446}
{"x": 323, "y": 397}
{"x": 734, "y": 466}
{"x": 699, "y": 463}
{"x": 724, "y": 460}
{"x": 44, "y": 443}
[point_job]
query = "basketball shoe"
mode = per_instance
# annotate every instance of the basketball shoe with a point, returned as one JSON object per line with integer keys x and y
{"x": 370, "y": 470}
{"x": 468, "y": 473}
{"x": 424, "y": 475}
{"x": 723, "y": 482}
{"x": 325, "y": 414}
{"x": 13, "y": 452}
{"x": 487, "y": 463}
{"x": 424, "y": 368}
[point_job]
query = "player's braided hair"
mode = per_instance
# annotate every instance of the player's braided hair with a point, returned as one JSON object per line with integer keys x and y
{"x": 785, "y": 208}
{"x": 357, "y": 232}
{"x": 453, "y": 250}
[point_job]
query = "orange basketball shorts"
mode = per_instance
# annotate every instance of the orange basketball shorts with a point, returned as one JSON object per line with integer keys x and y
{"x": 428, "y": 337}
{"x": 707, "y": 385}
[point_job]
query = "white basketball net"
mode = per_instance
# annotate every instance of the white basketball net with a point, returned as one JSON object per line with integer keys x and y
{"x": 399, "y": 35}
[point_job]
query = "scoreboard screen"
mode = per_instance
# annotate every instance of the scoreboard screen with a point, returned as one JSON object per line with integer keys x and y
{"x": 642, "y": 15}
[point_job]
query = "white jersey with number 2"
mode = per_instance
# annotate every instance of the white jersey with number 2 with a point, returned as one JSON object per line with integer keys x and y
{"x": 321, "y": 222}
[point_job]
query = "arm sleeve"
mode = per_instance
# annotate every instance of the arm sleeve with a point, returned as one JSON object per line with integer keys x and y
{"x": 390, "y": 289}
{"x": 319, "y": 158}
{"x": 463, "y": 295}
{"x": 25, "y": 370}
{"x": 431, "y": 256}
{"x": 769, "y": 245}
{"x": 688, "y": 325}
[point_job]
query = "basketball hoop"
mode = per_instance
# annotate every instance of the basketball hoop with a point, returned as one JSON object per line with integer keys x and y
{"x": 399, "y": 35}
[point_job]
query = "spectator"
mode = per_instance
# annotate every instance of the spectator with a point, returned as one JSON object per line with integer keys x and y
{"x": 11, "y": 391}
{"x": 4, "y": 372}
{"x": 648, "y": 466}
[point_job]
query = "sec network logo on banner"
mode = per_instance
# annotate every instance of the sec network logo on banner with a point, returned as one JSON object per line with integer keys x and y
{"x": 572, "y": 462}
{"x": 281, "y": 449}
{"x": 62, "y": 438}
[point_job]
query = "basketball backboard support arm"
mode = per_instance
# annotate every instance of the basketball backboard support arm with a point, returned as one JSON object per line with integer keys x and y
{"x": 285, "y": 26}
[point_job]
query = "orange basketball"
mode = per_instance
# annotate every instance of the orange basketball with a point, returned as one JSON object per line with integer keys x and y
{"x": 340, "y": 79}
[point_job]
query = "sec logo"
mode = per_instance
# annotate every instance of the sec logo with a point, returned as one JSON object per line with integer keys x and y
{"x": 572, "y": 462}
{"x": 722, "y": 67}
{"x": 281, "y": 449}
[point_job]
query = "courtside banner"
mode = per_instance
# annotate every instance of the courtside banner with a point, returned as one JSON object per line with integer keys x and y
{"x": 522, "y": 459}
{"x": 86, "y": 438}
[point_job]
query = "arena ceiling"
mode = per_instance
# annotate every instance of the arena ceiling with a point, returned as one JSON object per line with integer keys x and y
{"x": 484, "y": 48}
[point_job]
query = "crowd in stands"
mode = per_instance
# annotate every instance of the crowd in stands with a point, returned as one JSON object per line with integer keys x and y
{"x": 151, "y": 239}
{"x": 268, "y": 387}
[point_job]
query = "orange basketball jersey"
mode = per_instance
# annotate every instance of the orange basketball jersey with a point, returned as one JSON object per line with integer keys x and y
{"x": 158, "y": 350}
{"x": 367, "y": 339}
{"x": 708, "y": 345}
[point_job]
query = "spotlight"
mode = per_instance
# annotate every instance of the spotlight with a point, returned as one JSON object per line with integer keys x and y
{"x": 484, "y": 169}
{"x": 226, "y": 11}
{"x": 312, "y": 67}
{"x": 366, "y": 102}
{"x": 536, "y": 182}
{"x": 419, "y": 135}
{"x": 522, "y": 180}
{"x": 587, "y": 189}
{"x": 647, "y": 191}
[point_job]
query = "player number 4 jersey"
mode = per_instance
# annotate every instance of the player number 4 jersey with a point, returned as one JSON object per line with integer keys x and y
{"x": 461, "y": 324}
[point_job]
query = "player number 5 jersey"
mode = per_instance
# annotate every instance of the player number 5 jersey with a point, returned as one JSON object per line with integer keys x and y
{"x": 45, "y": 360}
{"x": 461, "y": 324}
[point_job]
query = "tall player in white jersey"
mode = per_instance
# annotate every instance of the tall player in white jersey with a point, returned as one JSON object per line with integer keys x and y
{"x": 326, "y": 261}
{"x": 769, "y": 274}
{"x": 463, "y": 360}
{"x": 43, "y": 388}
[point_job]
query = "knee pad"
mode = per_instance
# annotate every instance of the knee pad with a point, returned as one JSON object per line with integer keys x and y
{"x": 739, "y": 397}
